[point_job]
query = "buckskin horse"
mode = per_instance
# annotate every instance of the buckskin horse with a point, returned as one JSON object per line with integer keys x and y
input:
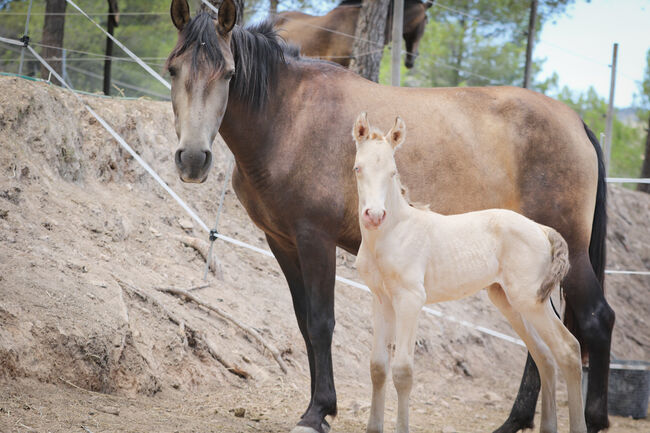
{"x": 331, "y": 36}
{"x": 286, "y": 119}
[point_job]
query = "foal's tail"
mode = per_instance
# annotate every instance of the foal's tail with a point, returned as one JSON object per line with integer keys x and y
{"x": 559, "y": 264}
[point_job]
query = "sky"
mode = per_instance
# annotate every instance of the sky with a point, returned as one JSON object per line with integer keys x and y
{"x": 578, "y": 46}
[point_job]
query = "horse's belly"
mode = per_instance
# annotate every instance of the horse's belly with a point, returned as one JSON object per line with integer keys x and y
{"x": 448, "y": 282}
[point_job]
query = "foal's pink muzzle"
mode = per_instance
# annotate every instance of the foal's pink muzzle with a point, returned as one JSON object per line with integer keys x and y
{"x": 372, "y": 220}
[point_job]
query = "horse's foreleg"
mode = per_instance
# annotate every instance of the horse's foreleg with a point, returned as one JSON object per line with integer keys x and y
{"x": 287, "y": 257}
{"x": 407, "y": 306}
{"x": 595, "y": 320}
{"x": 383, "y": 327}
{"x": 317, "y": 257}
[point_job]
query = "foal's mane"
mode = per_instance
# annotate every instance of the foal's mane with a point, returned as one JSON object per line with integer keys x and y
{"x": 257, "y": 50}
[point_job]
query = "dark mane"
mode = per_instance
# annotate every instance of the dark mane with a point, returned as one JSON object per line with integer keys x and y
{"x": 200, "y": 35}
{"x": 257, "y": 50}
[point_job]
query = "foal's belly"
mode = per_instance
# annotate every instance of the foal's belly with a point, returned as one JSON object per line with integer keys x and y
{"x": 444, "y": 285}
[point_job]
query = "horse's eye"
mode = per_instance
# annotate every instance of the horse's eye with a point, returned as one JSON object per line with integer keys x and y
{"x": 357, "y": 169}
{"x": 229, "y": 74}
{"x": 172, "y": 72}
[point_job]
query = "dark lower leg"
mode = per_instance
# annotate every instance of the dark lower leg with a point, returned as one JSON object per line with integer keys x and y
{"x": 522, "y": 413}
{"x": 595, "y": 320}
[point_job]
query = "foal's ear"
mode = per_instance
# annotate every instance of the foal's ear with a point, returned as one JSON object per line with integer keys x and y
{"x": 180, "y": 12}
{"x": 361, "y": 129}
{"x": 227, "y": 16}
{"x": 397, "y": 134}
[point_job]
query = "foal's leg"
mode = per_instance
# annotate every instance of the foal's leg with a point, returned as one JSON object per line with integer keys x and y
{"x": 407, "y": 305}
{"x": 595, "y": 319}
{"x": 566, "y": 351}
{"x": 383, "y": 326}
{"x": 538, "y": 350}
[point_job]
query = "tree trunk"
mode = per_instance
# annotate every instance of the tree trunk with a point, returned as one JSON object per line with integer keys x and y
{"x": 369, "y": 40}
{"x": 274, "y": 7}
{"x": 645, "y": 168}
{"x": 113, "y": 20}
{"x": 531, "y": 40}
{"x": 53, "y": 35}
{"x": 461, "y": 51}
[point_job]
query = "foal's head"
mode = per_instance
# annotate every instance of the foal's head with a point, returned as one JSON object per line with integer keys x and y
{"x": 375, "y": 168}
{"x": 201, "y": 66}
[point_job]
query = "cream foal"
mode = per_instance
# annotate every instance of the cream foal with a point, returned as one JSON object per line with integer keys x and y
{"x": 410, "y": 257}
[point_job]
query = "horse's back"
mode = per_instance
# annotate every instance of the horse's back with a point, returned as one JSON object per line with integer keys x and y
{"x": 496, "y": 147}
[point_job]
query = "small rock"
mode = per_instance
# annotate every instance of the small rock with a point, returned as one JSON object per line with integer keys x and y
{"x": 185, "y": 224}
{"x": 239, "y": 412}
{"x": 492, "y": 396}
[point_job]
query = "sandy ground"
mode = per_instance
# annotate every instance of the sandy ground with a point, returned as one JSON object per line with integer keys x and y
{"x": 86, "y": 340}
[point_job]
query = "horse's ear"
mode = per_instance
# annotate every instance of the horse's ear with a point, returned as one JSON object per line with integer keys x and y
{"x": 397, "y": 134}
{"x": 361, "y": 129}
{"x": 227, "y": 16}
{"x": 428, "y": 3}
{"x": 180, "y": 12}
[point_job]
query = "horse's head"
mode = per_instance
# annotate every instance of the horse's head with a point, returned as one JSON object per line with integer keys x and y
{"x": 375, "y": 168}
{"x": 201, "y": 66}
{"x": 415, "y": 21}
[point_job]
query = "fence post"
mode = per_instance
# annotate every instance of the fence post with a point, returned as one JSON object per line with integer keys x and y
{"x": 610, "y": 109}
{"x": 396, "y": 55}
{"x": 22, "y": 50}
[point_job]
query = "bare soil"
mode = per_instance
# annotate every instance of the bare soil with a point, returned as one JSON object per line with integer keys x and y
{"x": 86, "y": 340}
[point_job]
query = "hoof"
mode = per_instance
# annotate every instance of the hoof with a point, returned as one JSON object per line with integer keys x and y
{"x": 325, "y": 428}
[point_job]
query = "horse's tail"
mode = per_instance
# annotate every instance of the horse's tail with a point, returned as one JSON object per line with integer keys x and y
{"x": 559, "y": 264}
{"x": 599, "y": 225}
{"x": 598, "y": 238}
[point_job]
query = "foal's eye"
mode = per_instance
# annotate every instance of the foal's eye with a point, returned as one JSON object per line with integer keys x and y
{"x": 393, "y": 174}
{"x": 357, "y": 169}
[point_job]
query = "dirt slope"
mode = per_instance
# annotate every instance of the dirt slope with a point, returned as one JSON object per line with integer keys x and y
{"x": 86, "y": 236}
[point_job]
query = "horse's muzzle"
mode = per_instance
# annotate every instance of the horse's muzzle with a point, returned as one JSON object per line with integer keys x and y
{"x": 193, "y": 165}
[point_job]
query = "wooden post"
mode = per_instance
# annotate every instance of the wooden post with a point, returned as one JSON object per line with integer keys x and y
{"x": 398, "y": 25}
{"x": 113, "y": 19}
{"x": 610, "y": 109}
{"x": 531, "y": 41}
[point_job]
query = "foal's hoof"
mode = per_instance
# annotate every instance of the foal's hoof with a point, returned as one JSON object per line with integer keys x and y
{"x": 325, "y": 428}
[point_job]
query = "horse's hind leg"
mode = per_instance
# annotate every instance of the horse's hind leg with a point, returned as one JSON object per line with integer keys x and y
{"x": 540, "y": 353}
{"x": 522, "y": 413}
{"x": 595, "y": 320}
{"x": 566, "y": 351}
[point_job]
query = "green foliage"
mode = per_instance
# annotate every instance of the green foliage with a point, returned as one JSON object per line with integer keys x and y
{"x": 627, "y": 138}
{"x": 476, "y": 44}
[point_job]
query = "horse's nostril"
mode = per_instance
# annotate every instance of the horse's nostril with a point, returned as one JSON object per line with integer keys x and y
{"x": 177, "y": 157}
{"x": 208, "y": 158}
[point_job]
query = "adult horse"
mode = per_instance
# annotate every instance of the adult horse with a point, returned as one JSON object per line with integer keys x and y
{"x": 286, "y": 119}
{"x": 331, "y": 36}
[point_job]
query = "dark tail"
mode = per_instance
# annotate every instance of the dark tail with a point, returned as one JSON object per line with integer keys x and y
{"x": 597, "y": 241}
{"x": 599, "y": 226}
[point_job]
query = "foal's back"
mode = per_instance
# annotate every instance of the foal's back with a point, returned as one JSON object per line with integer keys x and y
{"x": 458, "y": 255}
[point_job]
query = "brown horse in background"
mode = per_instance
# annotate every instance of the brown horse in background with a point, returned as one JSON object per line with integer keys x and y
{"x": 331, "y": 36}
{"x": 287, "y": 121}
